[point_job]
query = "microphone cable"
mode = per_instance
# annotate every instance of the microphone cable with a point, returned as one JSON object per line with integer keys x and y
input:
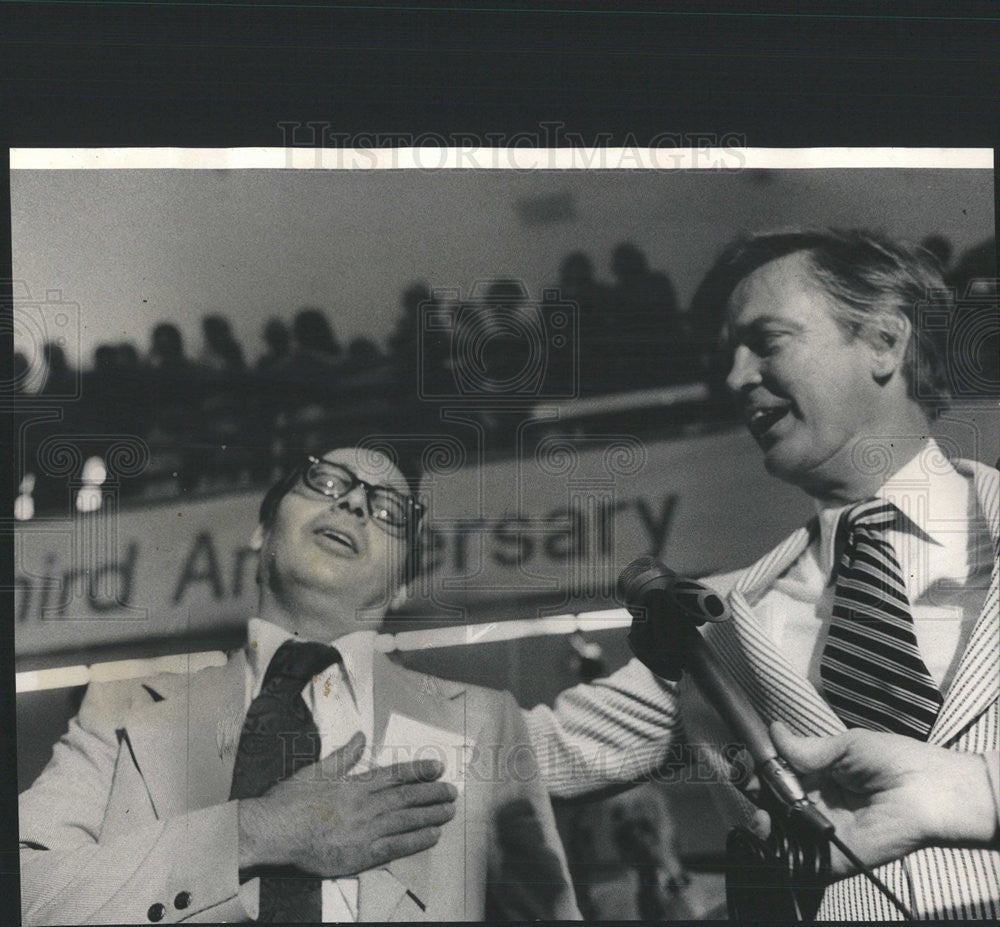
{"x": 780, "y": 878}
{"x": 649, "y": 589}
{"x": 796, "y": 854}
{"x": 870, "y": 875}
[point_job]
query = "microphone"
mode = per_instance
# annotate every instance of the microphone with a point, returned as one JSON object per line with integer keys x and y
{"x": 667, "y": 611}
{"x": 665, "y": 605}
{"x": 646, "y": 583}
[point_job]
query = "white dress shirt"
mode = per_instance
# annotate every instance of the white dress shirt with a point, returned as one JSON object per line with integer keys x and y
{"x": 945, "y": 554}
{"x": 341, "y": 702}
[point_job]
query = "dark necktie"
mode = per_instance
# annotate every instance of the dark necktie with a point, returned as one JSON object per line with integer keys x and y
{"x": 873, "y": 674}
{"x": 279, "y": 737}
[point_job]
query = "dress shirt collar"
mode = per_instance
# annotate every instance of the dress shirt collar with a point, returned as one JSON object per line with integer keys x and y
{"x": 931, "y": 494}
{"x": 356, "y": 651}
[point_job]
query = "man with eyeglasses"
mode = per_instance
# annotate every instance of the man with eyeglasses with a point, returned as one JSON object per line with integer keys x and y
{"x": 310, "y": 779}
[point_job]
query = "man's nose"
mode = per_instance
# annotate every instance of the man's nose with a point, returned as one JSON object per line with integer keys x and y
{"x": 745, "y": 371}
{"x": 355, "y": 501}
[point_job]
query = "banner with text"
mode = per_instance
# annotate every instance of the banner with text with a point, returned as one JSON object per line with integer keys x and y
{"x": 556, "y": 524}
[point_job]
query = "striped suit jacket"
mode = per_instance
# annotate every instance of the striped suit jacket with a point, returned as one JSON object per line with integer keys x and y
{"x": 619, "y": 729}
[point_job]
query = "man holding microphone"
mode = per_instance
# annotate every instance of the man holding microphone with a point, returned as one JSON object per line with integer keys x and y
{"x": 869, "y": 640}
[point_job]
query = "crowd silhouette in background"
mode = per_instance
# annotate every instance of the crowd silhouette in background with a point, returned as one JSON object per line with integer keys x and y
{"x": 212, "y": 420}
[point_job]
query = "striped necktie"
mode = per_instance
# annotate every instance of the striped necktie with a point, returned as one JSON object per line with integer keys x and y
{"x": 279, "y": 737}
{"x": 873, "y": 674}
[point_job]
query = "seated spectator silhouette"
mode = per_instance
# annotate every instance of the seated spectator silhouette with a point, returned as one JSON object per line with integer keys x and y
{"x": 132, "y": 404}
{"x": 278, "y": 341}
{"x": 975, "y": 272}
{"x": 266, "y": 397}
{"x": 112, "y": 411}
{"x": 404, "y": 342}
{"x": 499, "y": 353}
{"x": 499, "y": 357}
{"x": 59, "y": 391}
{"x": 177, "y": 389}
{"x": 60, "y": 378}
{"x": 364, "y": 364}
{"x": 420, "y": 354}
{"x": 20, "y": 372}
{"x": 306, "y": 383}
{"x": 221, "y": 352}
{"x": 705, "y": 320}
{"x": 314, "y": 337}
{"x": 578, "y": 286}
{"x": 30, "y": 435}
{"x": 366, "y": 383}
{"x": 975, "y": 366}
{"x": 643, "y": 327}
{"x": 227, "y": 419}
{"x": 940, "y": 248}
{"x": 98, "y": 412}
{"x": 128, "y": 356}
{"x": 133, "y": 390}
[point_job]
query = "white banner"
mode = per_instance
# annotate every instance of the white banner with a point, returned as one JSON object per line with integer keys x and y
{"x": 557, "y": 525}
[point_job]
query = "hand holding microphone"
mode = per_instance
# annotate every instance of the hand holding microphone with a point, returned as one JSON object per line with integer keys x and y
{"x": 667, "y": 610}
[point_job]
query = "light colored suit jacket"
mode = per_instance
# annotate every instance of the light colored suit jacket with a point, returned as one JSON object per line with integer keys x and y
{"x": 619, "y": 729}
{"x": 133, "y": 809}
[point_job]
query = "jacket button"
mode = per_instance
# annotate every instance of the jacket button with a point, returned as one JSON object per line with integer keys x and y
{"x": 156, "y": 912}
{"x": 182, "y": 900}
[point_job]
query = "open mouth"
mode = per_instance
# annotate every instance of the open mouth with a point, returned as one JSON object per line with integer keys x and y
{"x": 339, "y": 539}
{"x": 761, "y": 421}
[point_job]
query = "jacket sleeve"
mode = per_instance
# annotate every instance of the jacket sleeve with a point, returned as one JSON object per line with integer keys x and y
{"x": 606, "y": 733}
{"x": 181, "y": 869}
{"x": 528, "y": 878}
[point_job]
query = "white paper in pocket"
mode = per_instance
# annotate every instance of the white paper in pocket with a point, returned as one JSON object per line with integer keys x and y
{"x": 407, "y": 739}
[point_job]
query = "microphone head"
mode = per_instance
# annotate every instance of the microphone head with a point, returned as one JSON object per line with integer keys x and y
{"x": 639, "y": 572}
{"x": 699, "y": 602}
{"x": 696, "y": 601}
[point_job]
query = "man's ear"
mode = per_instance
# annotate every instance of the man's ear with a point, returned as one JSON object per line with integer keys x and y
{"x": 257, "y": 538}
{"x": 888, "y": 342}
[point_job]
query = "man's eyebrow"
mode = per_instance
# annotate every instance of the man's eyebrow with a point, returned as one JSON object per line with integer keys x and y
{"x": 763, "y": 321}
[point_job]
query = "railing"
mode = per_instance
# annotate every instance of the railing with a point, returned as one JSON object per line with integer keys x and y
{"x": 248, "y": 446}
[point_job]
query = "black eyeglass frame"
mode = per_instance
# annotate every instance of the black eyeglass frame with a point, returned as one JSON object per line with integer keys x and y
{"x": 414, "y": 509}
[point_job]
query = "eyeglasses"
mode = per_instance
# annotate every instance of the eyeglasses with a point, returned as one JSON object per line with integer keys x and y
{"x": 391, "y": 508}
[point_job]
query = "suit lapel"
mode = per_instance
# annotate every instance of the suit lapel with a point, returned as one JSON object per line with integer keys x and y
{"x": 977, "y": 679}
{"x": 777, "y": 690}
{"x": 774, "y": 687}
{"x": 431, "y": 701}
{"x": 185, "y": 744}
